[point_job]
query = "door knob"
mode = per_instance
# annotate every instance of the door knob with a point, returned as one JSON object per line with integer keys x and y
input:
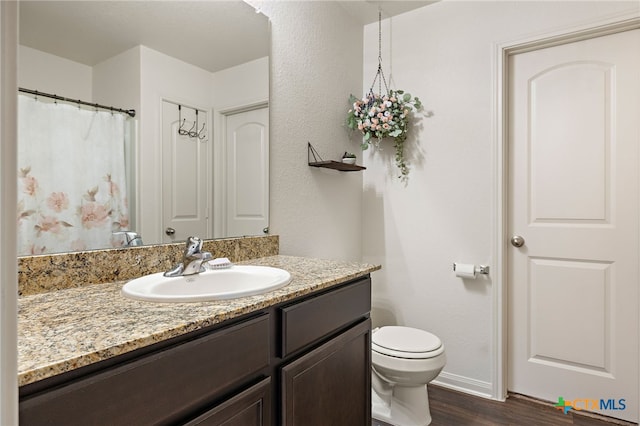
{"x": 517, "y": 241}
{"x": 169, "y": 231}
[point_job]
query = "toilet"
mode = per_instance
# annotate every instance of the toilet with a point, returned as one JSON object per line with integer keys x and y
{"x": 403, "y": 361}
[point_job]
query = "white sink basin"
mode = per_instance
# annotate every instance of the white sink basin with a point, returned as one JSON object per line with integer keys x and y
{"x": 236, "y": 281}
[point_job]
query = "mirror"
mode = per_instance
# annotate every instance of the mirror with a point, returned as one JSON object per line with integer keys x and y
{"x": 154, "y": 56}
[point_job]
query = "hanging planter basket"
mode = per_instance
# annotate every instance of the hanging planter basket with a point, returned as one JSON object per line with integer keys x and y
{"x": 383, "y": 115}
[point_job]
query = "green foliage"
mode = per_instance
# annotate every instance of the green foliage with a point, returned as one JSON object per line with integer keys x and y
{"x": 378, "y": 117}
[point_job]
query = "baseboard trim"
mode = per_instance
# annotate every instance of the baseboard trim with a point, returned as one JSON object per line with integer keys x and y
{"x": 465, "y": 384}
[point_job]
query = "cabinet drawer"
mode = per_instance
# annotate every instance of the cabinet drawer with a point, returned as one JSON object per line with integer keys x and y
{"x": 161, "y": 387}
{"x": 306, "y": 322}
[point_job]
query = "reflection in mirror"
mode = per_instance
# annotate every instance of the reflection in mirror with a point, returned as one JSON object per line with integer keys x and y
{"x": 176, "y": 63}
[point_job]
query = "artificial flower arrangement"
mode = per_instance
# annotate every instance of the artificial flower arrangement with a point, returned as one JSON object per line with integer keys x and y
{"x": 379, "y": 117}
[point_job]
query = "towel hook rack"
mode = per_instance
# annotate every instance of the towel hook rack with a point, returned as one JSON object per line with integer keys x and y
{"x": 201, "y": 136}
{"x": 194, "y": 133}
{"x": 181, "y": 130}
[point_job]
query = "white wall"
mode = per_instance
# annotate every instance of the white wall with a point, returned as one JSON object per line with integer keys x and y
{"x": 116, "y": 81}
{"x": 8, "y": 200}
{"x": 316, "y": 58}
{"x": 443, "y": 53}
{"x": 241, "y": 85}
{"x": 52, "y": 74}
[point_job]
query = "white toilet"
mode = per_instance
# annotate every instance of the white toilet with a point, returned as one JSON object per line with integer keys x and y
{"x": 403, "y": 361}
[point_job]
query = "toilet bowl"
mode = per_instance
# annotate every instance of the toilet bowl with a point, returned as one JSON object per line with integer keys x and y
{"x": 403, "y": 361}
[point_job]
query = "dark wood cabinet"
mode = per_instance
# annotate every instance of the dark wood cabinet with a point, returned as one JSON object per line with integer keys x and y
{"x": 160, "y": 388}
{"x": 305, "y": 322}
{"x": 330, "y": 385}
{"x": 304, "y": 362}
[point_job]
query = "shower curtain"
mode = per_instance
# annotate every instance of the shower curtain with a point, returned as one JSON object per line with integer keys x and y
{"x": 71, "y": 177}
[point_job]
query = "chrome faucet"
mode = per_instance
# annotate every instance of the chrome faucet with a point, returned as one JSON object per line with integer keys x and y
{"x": 132, "y": 238}
{"x": 192, "y": 259}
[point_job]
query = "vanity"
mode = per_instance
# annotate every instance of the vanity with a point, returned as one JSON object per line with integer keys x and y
{"x": 299, "y": 355}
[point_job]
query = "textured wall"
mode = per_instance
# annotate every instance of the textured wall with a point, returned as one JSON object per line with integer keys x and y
{"x": 316, "y": 62}
{"x": 444, "y": 54}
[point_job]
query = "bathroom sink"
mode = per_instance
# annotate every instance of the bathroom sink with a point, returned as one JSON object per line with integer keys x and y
{"x": 229, "y": 283}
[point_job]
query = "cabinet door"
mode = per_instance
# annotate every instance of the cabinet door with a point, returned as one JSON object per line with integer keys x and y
{"x": 331, "y": 385}
{"x": 249, "y": 408}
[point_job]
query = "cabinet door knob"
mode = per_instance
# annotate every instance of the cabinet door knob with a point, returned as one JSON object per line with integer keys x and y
{"x": 517, "y": 241}
{"x": 169, "y": 231}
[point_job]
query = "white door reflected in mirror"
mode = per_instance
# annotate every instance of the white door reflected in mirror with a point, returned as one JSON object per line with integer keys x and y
{"x": 246, "y": 173}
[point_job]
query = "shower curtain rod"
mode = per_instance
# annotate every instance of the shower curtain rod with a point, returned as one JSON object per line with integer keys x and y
{"x": 130, "y": 112}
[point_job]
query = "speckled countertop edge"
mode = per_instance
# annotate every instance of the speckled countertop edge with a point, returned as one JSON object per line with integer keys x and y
{"x": 71, "y": 328}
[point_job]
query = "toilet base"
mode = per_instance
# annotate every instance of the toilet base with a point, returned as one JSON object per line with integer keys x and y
{"x": 408, "y": 406}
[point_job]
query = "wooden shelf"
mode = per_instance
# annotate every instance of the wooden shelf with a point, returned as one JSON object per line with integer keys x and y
{"x": 337, "y": 165}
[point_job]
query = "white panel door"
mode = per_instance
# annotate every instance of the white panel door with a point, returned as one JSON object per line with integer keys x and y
{"x": 574, "y": 114}
{"x": 184, "y": 175}
{"x": 247, "y": 172}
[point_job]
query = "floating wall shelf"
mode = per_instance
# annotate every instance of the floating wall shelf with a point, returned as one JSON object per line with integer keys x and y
{"x": 330, "y": 164}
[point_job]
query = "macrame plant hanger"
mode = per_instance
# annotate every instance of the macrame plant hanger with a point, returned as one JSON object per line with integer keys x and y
{"x": 379, "y": 74}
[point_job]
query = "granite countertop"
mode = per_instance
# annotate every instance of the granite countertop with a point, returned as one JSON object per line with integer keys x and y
{"x": 62, "y": 330}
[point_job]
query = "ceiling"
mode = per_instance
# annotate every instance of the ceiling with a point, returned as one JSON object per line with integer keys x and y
{"x": 210, "y": 34}
{"x": 203, "y": 33}
{"x": 366, "y": 11}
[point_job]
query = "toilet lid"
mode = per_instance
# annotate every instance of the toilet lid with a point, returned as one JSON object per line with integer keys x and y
{"x": 405, "y": 339}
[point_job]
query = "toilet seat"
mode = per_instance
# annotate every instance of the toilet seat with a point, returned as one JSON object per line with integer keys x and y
{"x": 406, "y": 342}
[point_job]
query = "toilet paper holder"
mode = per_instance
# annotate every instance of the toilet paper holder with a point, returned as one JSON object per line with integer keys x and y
{"x": 479, "y": 269}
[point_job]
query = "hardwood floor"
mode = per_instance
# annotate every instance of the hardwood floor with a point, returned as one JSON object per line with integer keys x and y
{"x": 451, "y": 408}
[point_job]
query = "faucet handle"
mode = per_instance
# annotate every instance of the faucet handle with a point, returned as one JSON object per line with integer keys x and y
{"x": 193, "y": 246}
{"x": 206, "y": 256}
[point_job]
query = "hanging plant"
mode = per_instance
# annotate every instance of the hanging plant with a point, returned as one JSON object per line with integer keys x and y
{"x": 387, "y": 116}
{"x": 379, "y": 116}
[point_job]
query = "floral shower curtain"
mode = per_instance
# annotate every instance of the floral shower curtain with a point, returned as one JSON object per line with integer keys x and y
{"x": 71, "y": 178}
